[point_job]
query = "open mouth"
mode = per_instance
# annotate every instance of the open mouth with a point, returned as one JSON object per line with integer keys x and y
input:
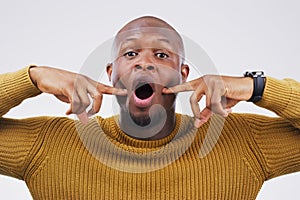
{"x": 143, "y": 91}
{"x": 143, "y": 94}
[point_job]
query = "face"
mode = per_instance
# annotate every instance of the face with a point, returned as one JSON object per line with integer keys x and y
{"x": 146, "y": 61}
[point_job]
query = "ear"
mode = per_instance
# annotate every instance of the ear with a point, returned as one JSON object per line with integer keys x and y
{"x": 109, "y": 70}
{"x": 185, "y": 70}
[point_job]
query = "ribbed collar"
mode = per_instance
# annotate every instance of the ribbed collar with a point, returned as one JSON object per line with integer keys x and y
{"x": 111, "y": 128}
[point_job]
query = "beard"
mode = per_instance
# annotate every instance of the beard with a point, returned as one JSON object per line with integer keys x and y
{"x": 140, "y": 120}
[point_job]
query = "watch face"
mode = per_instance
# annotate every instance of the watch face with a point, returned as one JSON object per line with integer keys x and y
{"x": 254, "y": 74}
{"x": 258, "y": 73}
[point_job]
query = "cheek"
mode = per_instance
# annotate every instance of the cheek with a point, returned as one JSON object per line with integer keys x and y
{"x": 118, "y": 71}
{"x": 121, "y": 76}
{"x": 170, "y": 76}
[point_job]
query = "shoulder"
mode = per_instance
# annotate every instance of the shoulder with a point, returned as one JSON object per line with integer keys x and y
{"x": 237, "y": 129}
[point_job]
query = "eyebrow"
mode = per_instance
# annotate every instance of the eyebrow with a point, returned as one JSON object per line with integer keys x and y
{"x": 127, "y": 40}
{"x": 168, "y": 44}
{"x": 125, "y": 44}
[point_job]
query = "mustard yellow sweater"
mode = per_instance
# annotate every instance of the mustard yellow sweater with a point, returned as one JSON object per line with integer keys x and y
{"x": 59, "y": 158}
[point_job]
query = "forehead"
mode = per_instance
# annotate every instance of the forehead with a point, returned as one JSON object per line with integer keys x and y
{"x": 149, "y": 37}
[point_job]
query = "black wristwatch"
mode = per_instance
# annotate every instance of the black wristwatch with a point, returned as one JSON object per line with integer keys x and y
{"x": 258, "y": 85}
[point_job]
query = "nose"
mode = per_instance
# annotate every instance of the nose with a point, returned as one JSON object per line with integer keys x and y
{"x": 145, "y": 61}
{"x": 145, "y": 67}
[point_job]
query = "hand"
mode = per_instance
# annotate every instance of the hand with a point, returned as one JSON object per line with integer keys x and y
{"x": 74, "y": 89}
{"x": 222, "y": 93}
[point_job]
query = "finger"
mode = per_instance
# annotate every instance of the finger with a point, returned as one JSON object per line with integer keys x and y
{"x": 106, "y": 89}
{"x": 79, "y": 102}
{"x": 228, "y": 110}
{"x": 187, "y": 86}
{"x": 83, "y": 117}
{"x": 208, "y": 96}
{"x": 62, "y": 98}
{"x": 216, "y": 104}
{"x": 69, "y": 111}
{"x": 205, "y": 115}
{"x": 74, "y": 103}
{"x": 84, "y": 101}
{"x": 97, "y": 101}
{"x": 194, "y": 99}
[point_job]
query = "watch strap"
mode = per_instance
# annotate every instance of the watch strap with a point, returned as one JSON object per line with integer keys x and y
{"x": 258, "y": 85}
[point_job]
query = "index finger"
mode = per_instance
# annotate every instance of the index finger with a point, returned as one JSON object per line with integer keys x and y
{"x": 106, "y": 89}
{"x": 178, "y": 88}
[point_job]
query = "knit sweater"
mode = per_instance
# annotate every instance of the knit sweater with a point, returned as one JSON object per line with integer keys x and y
{"x": 60, "y": 158}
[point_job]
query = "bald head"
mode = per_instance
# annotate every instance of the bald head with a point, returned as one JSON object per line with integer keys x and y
{"x": 146, "y": 21}
{"x": 151, "y": 25}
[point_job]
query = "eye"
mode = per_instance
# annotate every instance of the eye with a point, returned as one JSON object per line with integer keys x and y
{"x": 161, "y": 55}
{"x": 130, "y": 54}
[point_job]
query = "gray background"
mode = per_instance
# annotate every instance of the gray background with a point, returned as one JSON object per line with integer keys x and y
{"x": 237, "y": 35}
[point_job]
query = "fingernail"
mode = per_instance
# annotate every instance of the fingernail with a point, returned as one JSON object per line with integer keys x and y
{"x": 227, "y": 112}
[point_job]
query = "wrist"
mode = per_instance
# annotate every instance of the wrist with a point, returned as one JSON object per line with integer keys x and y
{"x": 33, "y": 74}
{"x": 258, "y": 81}
{"x": 248, "y": 82}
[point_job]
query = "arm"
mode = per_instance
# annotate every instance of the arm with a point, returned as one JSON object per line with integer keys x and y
{"x": 16, "y": 137}
{"x": 282, "y": 97}
{"x": 278, "y": 138}
{"x": 14, "y": 88}
{"x": 19, "y": 138}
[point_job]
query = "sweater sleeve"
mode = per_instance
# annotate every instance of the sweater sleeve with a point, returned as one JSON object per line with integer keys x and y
{"x": 14, "y": 88}
{"x": 17, "y": 137}
{"x": 278, "y": 138}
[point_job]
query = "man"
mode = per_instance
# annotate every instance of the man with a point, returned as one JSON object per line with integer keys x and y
{"x": 149, "y": 152}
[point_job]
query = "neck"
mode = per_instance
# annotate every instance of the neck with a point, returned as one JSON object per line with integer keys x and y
{"x": 161, "y": 125}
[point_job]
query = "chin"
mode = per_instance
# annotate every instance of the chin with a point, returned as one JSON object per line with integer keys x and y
{"x": 140, "y": 120}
